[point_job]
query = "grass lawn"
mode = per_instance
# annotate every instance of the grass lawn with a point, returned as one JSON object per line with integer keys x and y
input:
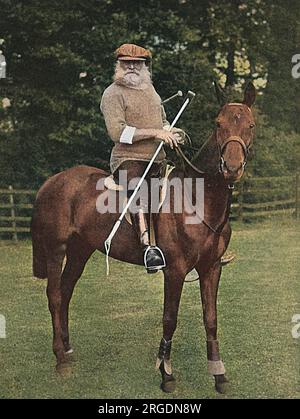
{"x": 116, "y": 326}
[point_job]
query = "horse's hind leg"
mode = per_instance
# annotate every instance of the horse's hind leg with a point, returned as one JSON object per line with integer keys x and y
{"x": 172, "y": 293}
{"x": 77, "y": 256}
{"x": 209, "y": 283}
{"x": 55, "y": 255}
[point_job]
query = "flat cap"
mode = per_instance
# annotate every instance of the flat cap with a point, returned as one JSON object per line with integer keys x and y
{"x": 132, "y": 52}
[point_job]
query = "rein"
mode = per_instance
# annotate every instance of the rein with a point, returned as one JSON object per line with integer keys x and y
{"x": 217, "y": 230}
{"x": 188, "y": 161}
{"x": 221, "y": 147}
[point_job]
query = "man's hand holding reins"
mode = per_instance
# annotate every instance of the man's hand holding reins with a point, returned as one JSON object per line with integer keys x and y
{"x": 173, "y": 138}
{"x": 168, "y": 137}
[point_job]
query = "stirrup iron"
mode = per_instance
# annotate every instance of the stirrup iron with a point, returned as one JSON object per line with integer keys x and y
{"x": 154, "y": 269}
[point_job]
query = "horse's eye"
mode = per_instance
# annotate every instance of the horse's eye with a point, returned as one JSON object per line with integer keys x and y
{"x": 218, "y": 124}
{"x": 252, "y": 125}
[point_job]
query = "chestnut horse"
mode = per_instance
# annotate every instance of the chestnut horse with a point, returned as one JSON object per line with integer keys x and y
{"x": 66, "y": 224}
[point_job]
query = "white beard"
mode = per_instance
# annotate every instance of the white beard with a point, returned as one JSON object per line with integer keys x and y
{"x": 132, "y": 79}
{"x": 139, "y": 80}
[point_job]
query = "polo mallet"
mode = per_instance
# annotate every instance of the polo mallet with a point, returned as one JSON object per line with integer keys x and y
{"x": 179, "y": 93}
{"x": 189, "y": 97}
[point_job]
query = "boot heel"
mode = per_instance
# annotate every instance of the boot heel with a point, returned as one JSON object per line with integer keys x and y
{"x": 152, "y": 271}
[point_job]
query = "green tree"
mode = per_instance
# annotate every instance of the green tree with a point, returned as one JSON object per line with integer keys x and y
{"x": 281, "y": 97}
{"x": 60, "y": 59}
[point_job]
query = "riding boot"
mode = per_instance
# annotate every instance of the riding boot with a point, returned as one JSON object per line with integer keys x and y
{"x": 153, "y": 257}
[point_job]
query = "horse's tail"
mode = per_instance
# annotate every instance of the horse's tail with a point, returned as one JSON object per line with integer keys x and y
{"x": 39, "y": 262}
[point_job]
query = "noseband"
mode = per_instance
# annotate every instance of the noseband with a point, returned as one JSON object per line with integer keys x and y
{"x": 233, "y": 139}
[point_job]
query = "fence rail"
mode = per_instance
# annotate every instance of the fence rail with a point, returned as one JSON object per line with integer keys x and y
{"x": 254, "y": 198}
{"x": 13, "y": 209}
{"x": 262, "y": 197}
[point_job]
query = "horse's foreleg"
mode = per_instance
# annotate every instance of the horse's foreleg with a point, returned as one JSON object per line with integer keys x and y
{"x": 172, "y": 294}
{"x": 54, "y": 267}
{"x": 77, "y": 256}
{"x": 209, "y": 283}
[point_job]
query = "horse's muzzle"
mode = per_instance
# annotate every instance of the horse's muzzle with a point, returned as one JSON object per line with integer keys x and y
{"x": 232, "y": 173}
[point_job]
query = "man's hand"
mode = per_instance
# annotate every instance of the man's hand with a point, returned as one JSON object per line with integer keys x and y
{"x": 180, "y": 134}
{"x": 168, "y": 137}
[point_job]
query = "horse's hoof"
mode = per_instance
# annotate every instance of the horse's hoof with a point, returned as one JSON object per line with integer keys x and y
{"x": 168, "y": 385}
{"x": 221, "y": 384}
{"x": 64, "y": 369}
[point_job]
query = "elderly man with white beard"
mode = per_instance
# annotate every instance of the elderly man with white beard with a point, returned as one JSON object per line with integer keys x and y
{"x": 136, "y": 122}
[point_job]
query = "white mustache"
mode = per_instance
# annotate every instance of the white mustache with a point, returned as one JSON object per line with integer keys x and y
{"x": 132, "y": 71}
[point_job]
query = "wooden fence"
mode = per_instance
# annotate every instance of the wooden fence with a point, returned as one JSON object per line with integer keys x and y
{"x": 263, "y": 197}
{"x": 253, "y": 198}
{"x": 15, "y": 212}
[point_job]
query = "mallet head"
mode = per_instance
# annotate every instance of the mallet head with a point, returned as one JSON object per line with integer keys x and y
{"x": 191, "y": 95}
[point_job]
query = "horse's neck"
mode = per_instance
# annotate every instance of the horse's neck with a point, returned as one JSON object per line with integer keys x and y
{"x": 217, "y": 196}
{"x": 217, "y": 200}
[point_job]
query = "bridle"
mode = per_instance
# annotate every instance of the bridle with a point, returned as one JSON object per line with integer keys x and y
{"x": 233, "y": 139}
{"x": 221, "y": 148}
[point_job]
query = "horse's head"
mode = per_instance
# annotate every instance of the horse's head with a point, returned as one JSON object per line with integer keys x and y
{"x": 235, "y": 133}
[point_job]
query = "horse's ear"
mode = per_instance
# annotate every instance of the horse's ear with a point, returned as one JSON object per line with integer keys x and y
{"x": 220, "y": 93}
{"x": 249, "y": 94}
